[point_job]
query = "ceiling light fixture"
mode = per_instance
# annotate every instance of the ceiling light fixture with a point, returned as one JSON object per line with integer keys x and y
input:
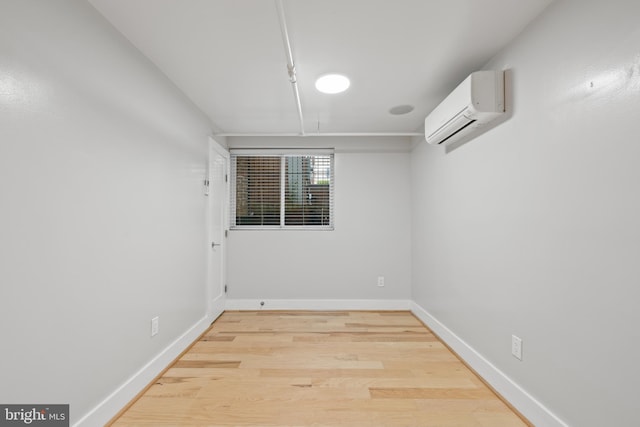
{"x": 332, "y": 83}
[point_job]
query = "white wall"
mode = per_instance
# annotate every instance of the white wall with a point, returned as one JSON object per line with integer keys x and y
{"x": 532, "y": 228}
{"x": 371, "y": 236}
{"x": 102, "y": 218}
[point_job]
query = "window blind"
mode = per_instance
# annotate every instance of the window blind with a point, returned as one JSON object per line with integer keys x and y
{"x": 283, "y": 190}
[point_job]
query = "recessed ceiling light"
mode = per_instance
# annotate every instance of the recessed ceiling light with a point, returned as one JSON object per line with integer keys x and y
{"x": 332, "y": 83}
{"x": 401, "y": 109}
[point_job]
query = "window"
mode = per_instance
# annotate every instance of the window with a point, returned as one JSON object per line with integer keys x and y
{"x": 272, "y": 189}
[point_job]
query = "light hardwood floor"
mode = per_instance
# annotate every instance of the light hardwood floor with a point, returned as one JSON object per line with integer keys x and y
{"x": 319, "y": 369}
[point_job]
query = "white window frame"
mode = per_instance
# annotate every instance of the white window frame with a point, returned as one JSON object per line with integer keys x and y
{"x": 282, "y": 154}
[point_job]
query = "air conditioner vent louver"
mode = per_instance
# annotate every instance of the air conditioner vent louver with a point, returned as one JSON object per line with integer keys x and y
{"x": 457, "y": 132}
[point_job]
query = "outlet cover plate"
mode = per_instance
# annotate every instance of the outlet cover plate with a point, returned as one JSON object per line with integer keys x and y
{"x": 155, "y": 326}
{"x": 516, "y": 347}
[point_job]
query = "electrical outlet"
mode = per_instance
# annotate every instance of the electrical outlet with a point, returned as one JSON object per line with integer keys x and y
{"x": 155, "y": 325}
{"x": 381, "y": 281}
{"x": 516, "y": 347}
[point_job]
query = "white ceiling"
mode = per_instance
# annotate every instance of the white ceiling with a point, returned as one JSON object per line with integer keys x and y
{"x": 228, "y": 56}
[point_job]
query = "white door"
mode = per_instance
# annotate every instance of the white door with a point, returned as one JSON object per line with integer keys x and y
{"x": 218, "y": 204}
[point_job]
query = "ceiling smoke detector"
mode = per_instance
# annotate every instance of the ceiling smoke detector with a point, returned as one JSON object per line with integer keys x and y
{"x": 332, "y": 83}
{"x": 399, "y": 110}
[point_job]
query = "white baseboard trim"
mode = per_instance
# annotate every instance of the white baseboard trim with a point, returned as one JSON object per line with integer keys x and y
{"x": 117, "y": 400}
{"x": 217, "y": 307}
{"x": 531, "y": 408}
{"x": 528, "y": 406}
{"x": 317, "y": 304}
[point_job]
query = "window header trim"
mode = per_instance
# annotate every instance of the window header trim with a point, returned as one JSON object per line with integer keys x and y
{"x": 281, "y": 151}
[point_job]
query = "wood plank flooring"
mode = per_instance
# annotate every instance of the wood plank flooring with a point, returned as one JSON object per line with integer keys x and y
{"x": 319, "y": 369}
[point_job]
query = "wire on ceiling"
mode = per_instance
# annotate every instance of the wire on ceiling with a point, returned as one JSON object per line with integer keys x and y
{"x": 293, "y": 78}
{"x": 291, "y": 66}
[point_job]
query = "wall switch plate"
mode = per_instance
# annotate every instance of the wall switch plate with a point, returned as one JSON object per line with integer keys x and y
{"x": 516, "y": 347}
{"x": 155, "y": 325}
{"x": 381, "y": 281}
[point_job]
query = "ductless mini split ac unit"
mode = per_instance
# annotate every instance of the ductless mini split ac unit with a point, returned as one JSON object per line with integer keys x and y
{"x": 475, "y": 103}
